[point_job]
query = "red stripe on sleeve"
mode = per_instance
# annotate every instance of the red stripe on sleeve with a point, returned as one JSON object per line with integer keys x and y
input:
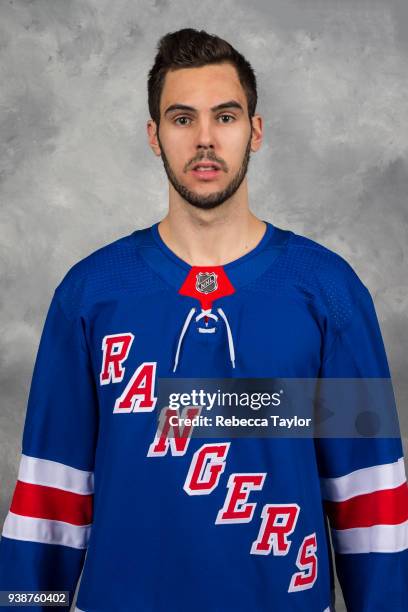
{"x": 39, "y": 501}
{"x": 387, "y": 507}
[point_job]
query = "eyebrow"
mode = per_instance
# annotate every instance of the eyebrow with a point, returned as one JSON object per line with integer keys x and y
{"x": 222, "y": 106}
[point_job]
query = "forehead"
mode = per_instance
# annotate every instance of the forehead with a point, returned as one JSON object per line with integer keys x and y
{"x": 201, "y": 87}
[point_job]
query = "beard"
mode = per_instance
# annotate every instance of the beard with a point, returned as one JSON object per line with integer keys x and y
{"x": 207, "y": 202}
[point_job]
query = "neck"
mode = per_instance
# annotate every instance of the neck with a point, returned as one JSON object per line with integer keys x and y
{"x": 211, "y": 237}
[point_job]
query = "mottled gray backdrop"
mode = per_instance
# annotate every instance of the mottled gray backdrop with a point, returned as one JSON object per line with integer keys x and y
{"x": 76, "y": 171}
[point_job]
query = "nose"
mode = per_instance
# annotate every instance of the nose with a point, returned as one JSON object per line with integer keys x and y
{"x": 205, "y": 137}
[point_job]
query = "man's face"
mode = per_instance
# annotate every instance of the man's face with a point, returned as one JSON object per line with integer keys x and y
{"x": 204, "y": 118}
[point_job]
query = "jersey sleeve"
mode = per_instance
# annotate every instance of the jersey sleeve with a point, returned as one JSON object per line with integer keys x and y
{"x": 363, "y": 479}
{"x": 47, "y": 528}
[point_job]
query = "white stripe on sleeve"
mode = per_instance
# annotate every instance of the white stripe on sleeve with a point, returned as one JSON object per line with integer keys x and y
{"x": 377, "y": 539}
{"x": 46, "y": 531}
{"x": 55, "y": 474}
{"x": 366, "y": 480}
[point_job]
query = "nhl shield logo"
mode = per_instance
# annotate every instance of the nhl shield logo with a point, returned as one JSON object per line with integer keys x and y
{"x": 206, "y": 282}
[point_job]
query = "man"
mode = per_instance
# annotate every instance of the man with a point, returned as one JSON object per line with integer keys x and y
{"x": 171, "y": 522}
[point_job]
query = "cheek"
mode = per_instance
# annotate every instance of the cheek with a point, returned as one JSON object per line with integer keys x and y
{"x": 178, "y": 150}
{"x": 236, "y": 150}
{"x": 235, "y": 142}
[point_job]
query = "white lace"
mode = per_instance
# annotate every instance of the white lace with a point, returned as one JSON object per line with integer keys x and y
{"x": 229, "y": 334}
{"x": 206, "y": 313}
{"x": 205, "y": 330}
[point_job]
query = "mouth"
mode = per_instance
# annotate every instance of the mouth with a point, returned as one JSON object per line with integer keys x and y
{"x": 206, "y": 170}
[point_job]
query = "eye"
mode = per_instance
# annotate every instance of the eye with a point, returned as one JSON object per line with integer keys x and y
{"x": 228, "y": 116}
{"x": 183, "y": 117}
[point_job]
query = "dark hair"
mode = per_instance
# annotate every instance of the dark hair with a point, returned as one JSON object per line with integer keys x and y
{"x": 190, "y": 48}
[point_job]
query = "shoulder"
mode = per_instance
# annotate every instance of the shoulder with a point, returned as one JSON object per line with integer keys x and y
{"x": 309, "y": 252}
{"x": 116, "y": 266}
{"x": 321, "y": 276}
{"x": 319, "y": 264}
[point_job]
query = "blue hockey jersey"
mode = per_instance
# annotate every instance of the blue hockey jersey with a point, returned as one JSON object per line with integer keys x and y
{"x": 158, "y": 520}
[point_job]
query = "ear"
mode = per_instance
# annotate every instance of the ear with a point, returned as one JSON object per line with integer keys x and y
{"x": 152, "y": 137}
{"x": 257, "y": 132}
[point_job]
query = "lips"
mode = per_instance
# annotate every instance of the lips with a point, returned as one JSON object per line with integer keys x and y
{"x": 206, "y": 173}
{"x": 206, "y": 166}
{"x": 206, "y": 170}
